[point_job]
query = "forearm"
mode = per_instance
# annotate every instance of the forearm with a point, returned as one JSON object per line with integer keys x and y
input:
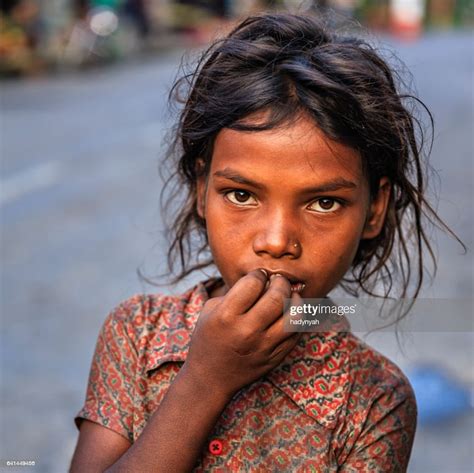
{"x": 174, "y": 436}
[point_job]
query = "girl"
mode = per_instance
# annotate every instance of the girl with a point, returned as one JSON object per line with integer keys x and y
{"x": 302, "y": 173}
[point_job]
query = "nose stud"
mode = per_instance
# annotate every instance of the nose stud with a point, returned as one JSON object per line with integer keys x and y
{"x": 295, "y": 245}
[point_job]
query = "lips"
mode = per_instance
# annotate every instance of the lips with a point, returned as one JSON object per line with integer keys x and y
{"x": 296, "y": 284}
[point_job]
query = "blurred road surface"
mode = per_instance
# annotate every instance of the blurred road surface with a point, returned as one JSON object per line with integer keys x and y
{"x": 79, "y": 214}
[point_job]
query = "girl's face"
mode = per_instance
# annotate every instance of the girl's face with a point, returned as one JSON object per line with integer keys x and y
{"x": 288, "y": 200}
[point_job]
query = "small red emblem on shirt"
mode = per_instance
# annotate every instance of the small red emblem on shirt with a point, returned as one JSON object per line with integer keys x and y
{"x": 215, "y": 447}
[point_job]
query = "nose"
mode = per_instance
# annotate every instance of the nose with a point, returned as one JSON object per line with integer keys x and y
{"x": 277, "y": 236}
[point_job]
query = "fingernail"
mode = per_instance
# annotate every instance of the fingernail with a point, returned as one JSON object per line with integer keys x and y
{"x": 273, "y": 276}
{"x": 264, "y": 272}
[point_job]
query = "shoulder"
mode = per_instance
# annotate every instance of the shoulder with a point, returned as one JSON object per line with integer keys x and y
{"x": 378, "y": 422}
{"x": 153, "y": 328}
{"x": 139, "y": 310}
{"x": 143, "y": 314}
{"x": 372, "y": 371}
{"x": 380, "y": 394}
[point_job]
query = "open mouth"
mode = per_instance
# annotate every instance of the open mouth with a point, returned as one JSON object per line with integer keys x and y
{"x": 296, "y": 285}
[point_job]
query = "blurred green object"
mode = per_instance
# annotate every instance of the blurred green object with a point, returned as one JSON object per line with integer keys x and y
{"x": 373, "y": 13}
{"x": 438, "y": 13}
{"x": 113, "y": 4}
{"x": 464, "y": 13}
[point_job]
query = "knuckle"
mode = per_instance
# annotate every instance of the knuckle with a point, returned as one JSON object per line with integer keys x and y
{"x": 211, "y": 304}
{"x": 224, "y": 318}
{"x": 268, "y": 345}
{"x": 246, "y": 334}
{"x": 216, "y": 312}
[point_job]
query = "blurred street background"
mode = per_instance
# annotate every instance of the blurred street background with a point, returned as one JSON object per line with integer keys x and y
{"x": 83, "y": 125}
{"x": 38, "y": 36}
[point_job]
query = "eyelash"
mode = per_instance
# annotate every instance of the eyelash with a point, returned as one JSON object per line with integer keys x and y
{"x": 339, "y": 202}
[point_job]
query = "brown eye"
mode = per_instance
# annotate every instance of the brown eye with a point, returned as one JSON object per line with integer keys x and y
{"x": 325, "y": 205}
{"x": 240, "y": 198}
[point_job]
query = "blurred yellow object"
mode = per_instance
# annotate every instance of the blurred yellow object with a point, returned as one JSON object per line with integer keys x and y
{"x": 16, "y": 54}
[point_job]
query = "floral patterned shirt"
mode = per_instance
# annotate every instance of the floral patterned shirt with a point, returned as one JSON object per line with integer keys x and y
{"x": 333, "y": 404}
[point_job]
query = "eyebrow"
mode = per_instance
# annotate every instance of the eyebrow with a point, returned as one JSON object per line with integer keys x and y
{"x": 336, "y": 184}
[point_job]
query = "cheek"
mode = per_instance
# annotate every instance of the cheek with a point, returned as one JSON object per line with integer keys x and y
{"x": 224, "y": 227}
{"x": 222, "y": 233}
{"x": 224, "y": 246}
{"x": 335, "y": 249}
{"x": 348, "y": 236}
{"x": 226, "y": 238}
{"x": 347, "y": 241}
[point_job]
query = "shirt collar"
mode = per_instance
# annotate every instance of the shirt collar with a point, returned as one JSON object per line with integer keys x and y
{"x": 315, "y": 375}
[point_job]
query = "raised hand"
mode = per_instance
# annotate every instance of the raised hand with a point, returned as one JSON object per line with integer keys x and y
{"x": 240, "y": 336}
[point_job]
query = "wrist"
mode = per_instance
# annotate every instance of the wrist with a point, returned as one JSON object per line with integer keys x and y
{"x": 204, "y": 387}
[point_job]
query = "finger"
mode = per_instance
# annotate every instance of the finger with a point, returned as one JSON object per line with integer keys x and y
{"x": 213, "y": 302}
{"x": 270, "y": 306}
{"x": 285, "y": 347}
{"x": 279, "y": 330}
{"x": 243, "y": 294}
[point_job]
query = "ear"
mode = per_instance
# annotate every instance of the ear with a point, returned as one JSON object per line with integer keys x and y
{"x": 201, "y": 186}
{"x": 378, "y": 210}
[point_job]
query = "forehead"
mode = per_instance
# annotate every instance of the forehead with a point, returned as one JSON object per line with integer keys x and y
{"x": 298, "y": 151}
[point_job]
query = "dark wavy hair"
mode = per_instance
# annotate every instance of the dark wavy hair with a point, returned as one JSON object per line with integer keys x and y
{"x": 289, "y": 64}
